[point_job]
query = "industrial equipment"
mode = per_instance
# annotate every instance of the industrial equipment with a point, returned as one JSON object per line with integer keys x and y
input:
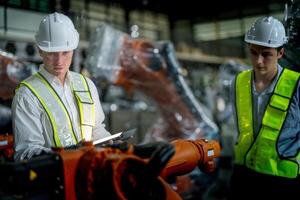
{"x": 121, "y": 171}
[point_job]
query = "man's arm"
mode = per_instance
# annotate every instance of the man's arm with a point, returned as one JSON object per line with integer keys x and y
{"x": 288, "y": 143}
{"x": 27, "y": 125}
{"x": 232, "y": 100}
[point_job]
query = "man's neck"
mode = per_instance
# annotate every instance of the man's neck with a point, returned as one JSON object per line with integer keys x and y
{"x": 62, "y": 79}
{"x": 263, "y": 80}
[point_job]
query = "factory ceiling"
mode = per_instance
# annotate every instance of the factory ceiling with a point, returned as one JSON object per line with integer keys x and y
{"x": 203, "y": 10}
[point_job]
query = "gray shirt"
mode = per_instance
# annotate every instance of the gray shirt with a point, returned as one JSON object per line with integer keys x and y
{"x": 289, "y": 139}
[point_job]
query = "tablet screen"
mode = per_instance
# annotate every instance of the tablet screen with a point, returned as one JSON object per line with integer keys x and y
{"x": 111, "y": 137}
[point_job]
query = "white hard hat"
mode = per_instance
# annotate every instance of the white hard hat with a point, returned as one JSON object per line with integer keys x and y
{"x": 268, "y": 32}
{"x": 57, "y": 33}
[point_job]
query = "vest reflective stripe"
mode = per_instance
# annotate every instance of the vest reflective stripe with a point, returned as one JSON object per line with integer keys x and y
{"x": 56, "y": 141}
{"x": 85, "y": 104}
{"x": 262, "y": 156}
{"x": 244, "y": 113}
{"x": 62, "y": 120}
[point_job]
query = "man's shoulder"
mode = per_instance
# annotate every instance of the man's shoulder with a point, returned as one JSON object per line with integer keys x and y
{"x": 22, "y": 86}
{"x": 76, "y": 75}
{"x": 292, "y": 71}
{"x": 29, "y": 78}
{"x": 23, "y": 93}
{"x": 245, "y": 71}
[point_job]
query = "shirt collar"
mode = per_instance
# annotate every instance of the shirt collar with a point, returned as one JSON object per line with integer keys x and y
{"x": 51, "y": 78}
{"x": 271, "y": 87}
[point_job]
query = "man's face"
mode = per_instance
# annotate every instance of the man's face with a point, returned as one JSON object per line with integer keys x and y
{"x": 57, "y": 63}
{"x": 264, "y": 59}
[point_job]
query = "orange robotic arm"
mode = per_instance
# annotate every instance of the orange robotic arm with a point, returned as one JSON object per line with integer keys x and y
{"x": 190, "y": 154}
{"x": 125, "y": 174}
{"x": 132, "y": 172}
{"x": 109, "y": 173}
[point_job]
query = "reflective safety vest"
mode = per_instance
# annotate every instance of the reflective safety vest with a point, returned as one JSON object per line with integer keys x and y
{"x": 62, "y": 128}
{"x": 260, "y": 153}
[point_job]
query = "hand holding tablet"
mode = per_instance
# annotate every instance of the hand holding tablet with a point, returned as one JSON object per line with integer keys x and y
{"x": 125, "y": 135}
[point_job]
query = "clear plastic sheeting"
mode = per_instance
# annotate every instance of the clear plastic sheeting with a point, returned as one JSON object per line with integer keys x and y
{"x": 291, "y": 22}
{"x": 151, "y": 68}
{"x": 104, "y": 51}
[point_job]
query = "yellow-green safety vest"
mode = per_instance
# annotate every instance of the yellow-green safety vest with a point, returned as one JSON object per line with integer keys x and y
{"x": 260, "y": 153}
{"x": 62, "y": 128}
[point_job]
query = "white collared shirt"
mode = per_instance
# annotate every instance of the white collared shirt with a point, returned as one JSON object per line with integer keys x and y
{"x": 31, "y": 126}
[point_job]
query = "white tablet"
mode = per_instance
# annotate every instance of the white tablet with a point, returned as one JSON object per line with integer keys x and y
{"x": 111, "y": 137}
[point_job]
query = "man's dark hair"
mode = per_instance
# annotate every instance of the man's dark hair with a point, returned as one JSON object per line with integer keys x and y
{"x": 279, "y": 48}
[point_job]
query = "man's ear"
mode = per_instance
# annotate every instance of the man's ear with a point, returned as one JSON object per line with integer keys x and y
{"x": 280, "y": 53}
{"x": 40, "y": 51}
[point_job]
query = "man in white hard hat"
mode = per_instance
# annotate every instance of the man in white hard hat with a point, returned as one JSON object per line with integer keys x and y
{"x": 267, "y": 110}
{"x": 55, "y": 107}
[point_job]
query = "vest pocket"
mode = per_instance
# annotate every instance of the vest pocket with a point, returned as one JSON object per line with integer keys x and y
{"x": 86, "y": 108}
{"x": 84, "y": 97}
